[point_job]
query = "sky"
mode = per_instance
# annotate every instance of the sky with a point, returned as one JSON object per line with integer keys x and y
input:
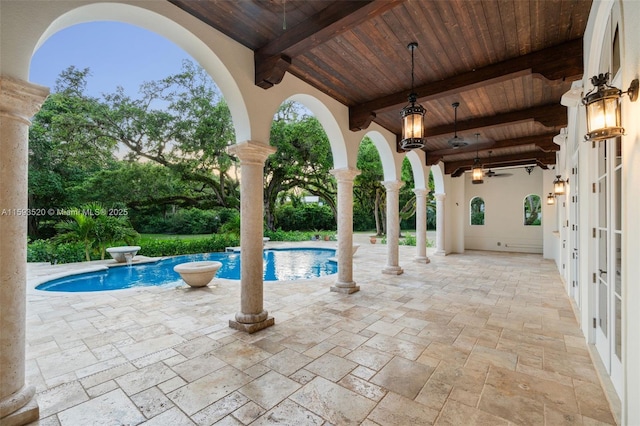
{"x": 117, "y": 54}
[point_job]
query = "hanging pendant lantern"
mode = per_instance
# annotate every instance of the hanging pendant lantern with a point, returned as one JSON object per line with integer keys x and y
{"x": 477, "y": 173}
{"x": 412, "y": 116}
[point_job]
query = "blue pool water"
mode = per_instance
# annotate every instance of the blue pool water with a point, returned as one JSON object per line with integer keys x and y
{"x": 279, "y": 265}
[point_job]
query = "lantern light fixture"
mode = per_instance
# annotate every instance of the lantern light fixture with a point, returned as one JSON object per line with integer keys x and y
{"x": 412, "y": 115}
{"x": 558, "y": 186}
{"x": 477, "y": 173}
{"x": 603, "y": 108}
{"x": 551, "y": 199}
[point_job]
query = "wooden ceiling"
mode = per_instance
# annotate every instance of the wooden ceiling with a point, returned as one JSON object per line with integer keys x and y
{"x": 507, "y": 62}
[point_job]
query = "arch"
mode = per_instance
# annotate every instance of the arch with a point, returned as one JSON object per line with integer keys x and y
{"x": 477, "y": 208}
{"x": 389, "y": 168}
{"x": 330, "y": 126}
{"x": 173, "y": 31}
{"x": 438, "y": 178}
{"x": 419, "y": 178}
{"x": 532, "y": 210}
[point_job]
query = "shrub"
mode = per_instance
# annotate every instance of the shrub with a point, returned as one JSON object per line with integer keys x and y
{"x": 305, "y": 217}
{"x": 409, "y": 240}
{"x": 175, "y": 246}
{"x": 47, "y": 251}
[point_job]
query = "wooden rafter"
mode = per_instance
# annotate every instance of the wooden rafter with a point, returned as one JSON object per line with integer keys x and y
{"x": 561, "y": 61}
{"x": 456, "y": 168}
{"x": 544, "y": 142}
{"x": 273, "y": 59}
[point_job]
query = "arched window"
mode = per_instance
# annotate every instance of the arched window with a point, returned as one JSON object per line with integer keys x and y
{"x": 477, "y": 211}
{"x": 532, "y": 210}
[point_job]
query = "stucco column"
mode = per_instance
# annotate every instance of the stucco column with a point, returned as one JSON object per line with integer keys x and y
{"x": 421, "y": 225}
{"x": 440, "y": 251}
{"x": 345, "y": 283}
{"x": 393, "y": 226}
{"x": 19, "y": 101}
{"x": 252, "y": 317}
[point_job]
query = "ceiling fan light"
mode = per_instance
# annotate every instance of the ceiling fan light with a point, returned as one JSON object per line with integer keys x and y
{"x": 456, "y": 141}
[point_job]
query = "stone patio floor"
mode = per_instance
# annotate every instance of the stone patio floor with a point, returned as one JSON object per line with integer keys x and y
{"x": 480, "y": 338}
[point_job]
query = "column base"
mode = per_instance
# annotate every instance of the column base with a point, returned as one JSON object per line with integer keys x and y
{"x": 346, "y": 288}
{"x": 252, "y": 327}
{"x": 392, "y": 270}
{"x": 26, "y": 414}
{"x": 440, "y": 253}
{"x": 422, "y": 259}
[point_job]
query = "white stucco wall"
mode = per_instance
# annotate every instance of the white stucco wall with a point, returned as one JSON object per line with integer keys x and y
{"x": 630, "y": 43}
{"x": 504, "y": 228}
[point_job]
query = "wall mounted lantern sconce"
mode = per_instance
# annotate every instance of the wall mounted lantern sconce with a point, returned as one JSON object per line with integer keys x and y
{"x": 551, "y": 199}
{"x": 558, "y": 186}
{"x": 477, "y": 173}
{"x": 412, "y": 116}
{"x": 603, "y": 108}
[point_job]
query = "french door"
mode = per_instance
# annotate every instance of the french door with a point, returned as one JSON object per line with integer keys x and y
{"x": 608, "y": 273}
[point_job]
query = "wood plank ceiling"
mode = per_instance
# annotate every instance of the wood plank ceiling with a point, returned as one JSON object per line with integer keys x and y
{"x": 507, "y": 62}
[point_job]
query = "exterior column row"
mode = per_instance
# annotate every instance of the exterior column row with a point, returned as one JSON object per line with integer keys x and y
{"x": 252, "y": 316}
{"x": 421, "y": 225}
{"x": 393, "y": 226}
{"x": 19, "y": 101}
{"x": 345, "y": 283}
{"x": 440, "y": 214}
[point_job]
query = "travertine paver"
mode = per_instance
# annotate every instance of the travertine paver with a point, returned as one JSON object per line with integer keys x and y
{"x": 480, "y": 338}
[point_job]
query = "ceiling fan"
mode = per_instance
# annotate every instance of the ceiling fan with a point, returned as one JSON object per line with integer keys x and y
{"x": 490, "y": 173}
{"x": 456, "y": 141}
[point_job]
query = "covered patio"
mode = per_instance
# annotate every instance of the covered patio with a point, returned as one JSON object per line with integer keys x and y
{"x": 479, "y": 338}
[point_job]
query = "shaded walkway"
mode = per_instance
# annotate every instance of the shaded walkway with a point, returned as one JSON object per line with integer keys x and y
{"x": 479, "y": 338}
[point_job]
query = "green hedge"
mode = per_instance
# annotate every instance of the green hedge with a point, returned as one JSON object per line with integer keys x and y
{"x": 173, "y": 247}
{"x": 281, "y": 235}
{"x": 46, "y": 251}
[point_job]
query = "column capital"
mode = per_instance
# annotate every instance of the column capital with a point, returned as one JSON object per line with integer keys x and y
{"x": 251, "y": 152}
{"x": 440, "y": 197}
{"x": 421, "y": 192}
{"x": 345, "y": 174}
{"x": 393, "y": 185}
{"x": 20, "y": 99}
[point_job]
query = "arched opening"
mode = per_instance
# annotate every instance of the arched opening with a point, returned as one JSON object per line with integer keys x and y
{"x": 476, "y": 211}
{"x": 300, "y": 193}
{"x": 532, "y": 210}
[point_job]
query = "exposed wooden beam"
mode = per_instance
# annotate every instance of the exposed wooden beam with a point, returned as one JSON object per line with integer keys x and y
{"x": 550, "y": 115}
{"x": 273, "y": 59}
{"x": 560, "y": 61}
{"x": 544, "y": 142}
{"x": 456, "y": 168}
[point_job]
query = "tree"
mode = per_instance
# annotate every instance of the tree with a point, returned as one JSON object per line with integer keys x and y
{"x": 302, "y": 161}
{"x": 369, "y": 194}
{"x": 532, "y": 207}
{"x": 63, "y": 149}
{"x": 183, "y": 123}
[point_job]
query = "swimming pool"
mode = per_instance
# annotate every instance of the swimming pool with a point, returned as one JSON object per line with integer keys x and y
{"x": 278, "y": 265}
